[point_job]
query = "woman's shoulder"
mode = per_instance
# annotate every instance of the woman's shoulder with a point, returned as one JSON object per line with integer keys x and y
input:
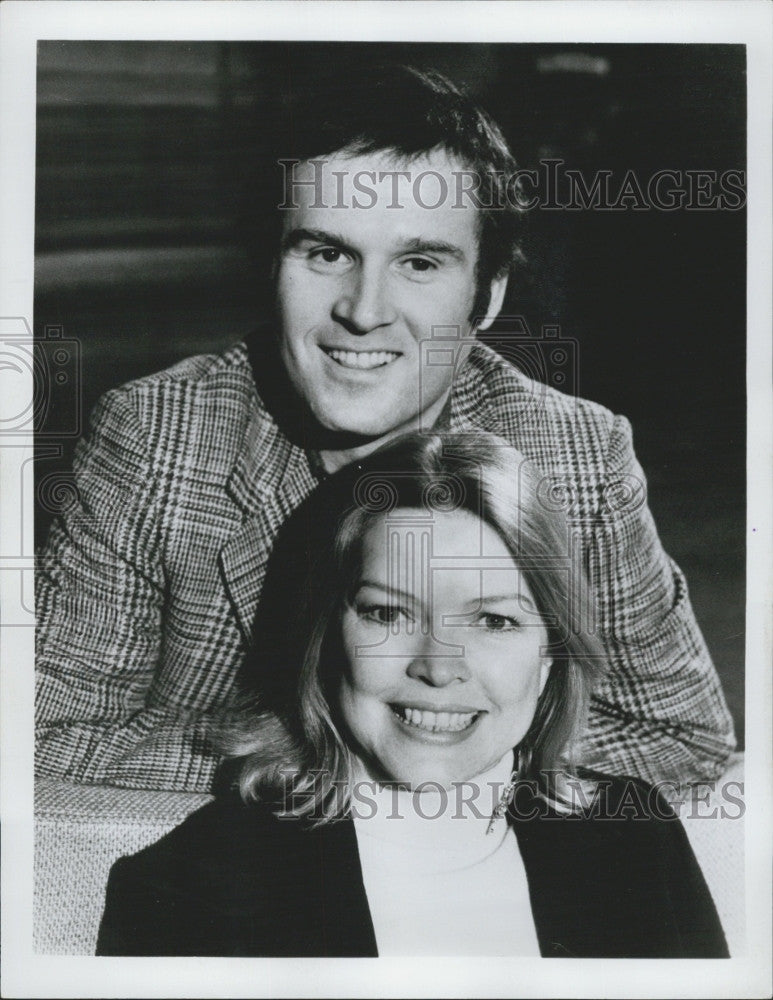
{"x": 614, "y": 871}
{"x": 219, "y": 837}
{"x": 587, "y": 794}
{"x": 232, "y": 879}
{"x": 596, "y": 794}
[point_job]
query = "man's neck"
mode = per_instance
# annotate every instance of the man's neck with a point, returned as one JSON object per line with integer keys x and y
{"x": 334, "y": 459}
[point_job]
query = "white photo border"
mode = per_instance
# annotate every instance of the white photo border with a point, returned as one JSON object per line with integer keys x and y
{"x": 22, "y": 24}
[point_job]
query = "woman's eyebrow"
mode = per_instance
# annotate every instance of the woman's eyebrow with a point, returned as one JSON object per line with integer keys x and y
{"x": 392, "y": 592}
{"x": 522, "y": 600}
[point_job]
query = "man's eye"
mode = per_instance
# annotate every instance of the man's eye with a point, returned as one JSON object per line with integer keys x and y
{"x": 498, "y": 623}
{"x": 327, "y": 255}
{"x": 420, "y": 265}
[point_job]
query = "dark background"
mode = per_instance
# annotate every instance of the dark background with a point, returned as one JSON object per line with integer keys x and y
{"x": 148, "y": 157}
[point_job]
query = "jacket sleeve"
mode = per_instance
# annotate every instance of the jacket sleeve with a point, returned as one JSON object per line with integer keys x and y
{"x": 660, "y": 712}
{"x": 99, "y": 609}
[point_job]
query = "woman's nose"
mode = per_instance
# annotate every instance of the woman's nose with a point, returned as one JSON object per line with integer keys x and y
{"x": 363, "y": 304}
{"x": 439, "y": 669}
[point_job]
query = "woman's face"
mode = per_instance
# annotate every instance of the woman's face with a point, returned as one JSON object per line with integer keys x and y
{"x": 442, "y": 643}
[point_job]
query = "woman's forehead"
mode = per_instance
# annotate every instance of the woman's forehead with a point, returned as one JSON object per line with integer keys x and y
{"x": 454, "y": 540}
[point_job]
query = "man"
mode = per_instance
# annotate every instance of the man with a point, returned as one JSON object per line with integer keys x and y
{"x": 397, "y": 230}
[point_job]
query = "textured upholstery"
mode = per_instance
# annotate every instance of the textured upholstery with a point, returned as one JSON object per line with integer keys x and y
{"x": 81, "y": 830}
{"x": 718, "y": 844}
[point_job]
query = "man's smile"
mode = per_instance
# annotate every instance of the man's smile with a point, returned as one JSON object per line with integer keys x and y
{"x": 361, "y": 360}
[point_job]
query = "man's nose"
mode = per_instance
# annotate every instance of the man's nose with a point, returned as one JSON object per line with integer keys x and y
{"x": 363, "y": 304}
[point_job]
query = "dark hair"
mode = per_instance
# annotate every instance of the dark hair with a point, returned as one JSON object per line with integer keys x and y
{"x": 408, "y": 112}
{"x": 291, "y": 723}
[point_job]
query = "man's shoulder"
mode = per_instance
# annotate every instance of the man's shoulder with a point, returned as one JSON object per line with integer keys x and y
{"x": 562, "y": 433}
{"x": 513, "y": 397}
{"x": 196, "y": 370}
{"x": 202, "y": 398}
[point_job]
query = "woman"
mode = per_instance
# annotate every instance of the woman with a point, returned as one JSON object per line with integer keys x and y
{"x": 404, "y": 769}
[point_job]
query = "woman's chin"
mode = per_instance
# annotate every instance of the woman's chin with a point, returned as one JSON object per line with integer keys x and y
{"x": 424, "y": 777}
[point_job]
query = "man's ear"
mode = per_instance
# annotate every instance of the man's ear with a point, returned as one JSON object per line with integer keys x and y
{"x": 496, "y": 298}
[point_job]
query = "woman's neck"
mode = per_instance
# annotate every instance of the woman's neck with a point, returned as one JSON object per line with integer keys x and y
{"x": 474, "y": 798}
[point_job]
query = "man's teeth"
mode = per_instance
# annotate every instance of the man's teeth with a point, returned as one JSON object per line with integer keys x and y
{"x": 436, "y": 722}
{"x": 363, "y": 359}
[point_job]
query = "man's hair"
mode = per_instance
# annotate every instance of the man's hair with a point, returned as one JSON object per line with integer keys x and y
{"x": 407, "y": 112}
{"x": 288, "y": 735}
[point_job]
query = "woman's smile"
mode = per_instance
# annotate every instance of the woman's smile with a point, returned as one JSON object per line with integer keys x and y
{"x": 447, "y": 722}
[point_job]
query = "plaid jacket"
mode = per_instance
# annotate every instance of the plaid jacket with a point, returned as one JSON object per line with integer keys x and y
{"x": 148, "y": 586}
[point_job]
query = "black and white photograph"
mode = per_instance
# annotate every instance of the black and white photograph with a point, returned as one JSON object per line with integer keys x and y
{"x": 386, "y": 463}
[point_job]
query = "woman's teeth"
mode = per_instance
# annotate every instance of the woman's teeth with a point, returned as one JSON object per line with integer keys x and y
{"x": 362, "y": 359}
{"x": 435, "y": 722}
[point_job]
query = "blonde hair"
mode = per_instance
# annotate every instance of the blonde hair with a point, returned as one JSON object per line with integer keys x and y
{"x": 286, "y": 736}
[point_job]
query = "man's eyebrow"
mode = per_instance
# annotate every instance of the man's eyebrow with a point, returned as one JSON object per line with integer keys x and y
{"x": 418, "y": 245}
{"x": 295, "y": 237}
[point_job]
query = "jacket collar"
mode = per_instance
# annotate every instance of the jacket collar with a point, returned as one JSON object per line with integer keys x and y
{"x": 266, "y": 460}
{"x": 320, "y": 906}
{"x": 490, "y": 395}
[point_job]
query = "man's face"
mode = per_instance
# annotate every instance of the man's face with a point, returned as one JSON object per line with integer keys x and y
{"x": 361, "y": 285}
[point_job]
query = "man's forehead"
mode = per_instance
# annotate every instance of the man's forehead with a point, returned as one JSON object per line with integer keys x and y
{"x": 426, "y": 193}
{"x": 382, "y": 160}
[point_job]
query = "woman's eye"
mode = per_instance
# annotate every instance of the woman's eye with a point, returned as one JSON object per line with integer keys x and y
{"x": 383, "y": 614}
{"x": 498, "y": 623}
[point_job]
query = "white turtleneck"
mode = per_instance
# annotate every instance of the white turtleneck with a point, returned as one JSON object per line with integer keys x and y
{"x": 442, "y": 885}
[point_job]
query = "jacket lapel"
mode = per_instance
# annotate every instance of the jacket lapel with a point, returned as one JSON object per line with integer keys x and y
{"x": 269, "y": 479}
{"x": 570, "y": 864}
{"x": 343, "y": 903}
{"x": 316, "y": 905}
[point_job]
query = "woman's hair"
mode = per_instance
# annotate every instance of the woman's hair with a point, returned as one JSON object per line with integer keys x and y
{"x": 287, "y": 736}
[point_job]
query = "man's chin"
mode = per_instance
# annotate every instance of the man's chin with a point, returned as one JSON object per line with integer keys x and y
{"x": 338, "y": 433}
{"x": 349, "y": 438}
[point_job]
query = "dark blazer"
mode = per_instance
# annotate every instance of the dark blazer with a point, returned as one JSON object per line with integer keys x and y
{"x": 618, "y": 880}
